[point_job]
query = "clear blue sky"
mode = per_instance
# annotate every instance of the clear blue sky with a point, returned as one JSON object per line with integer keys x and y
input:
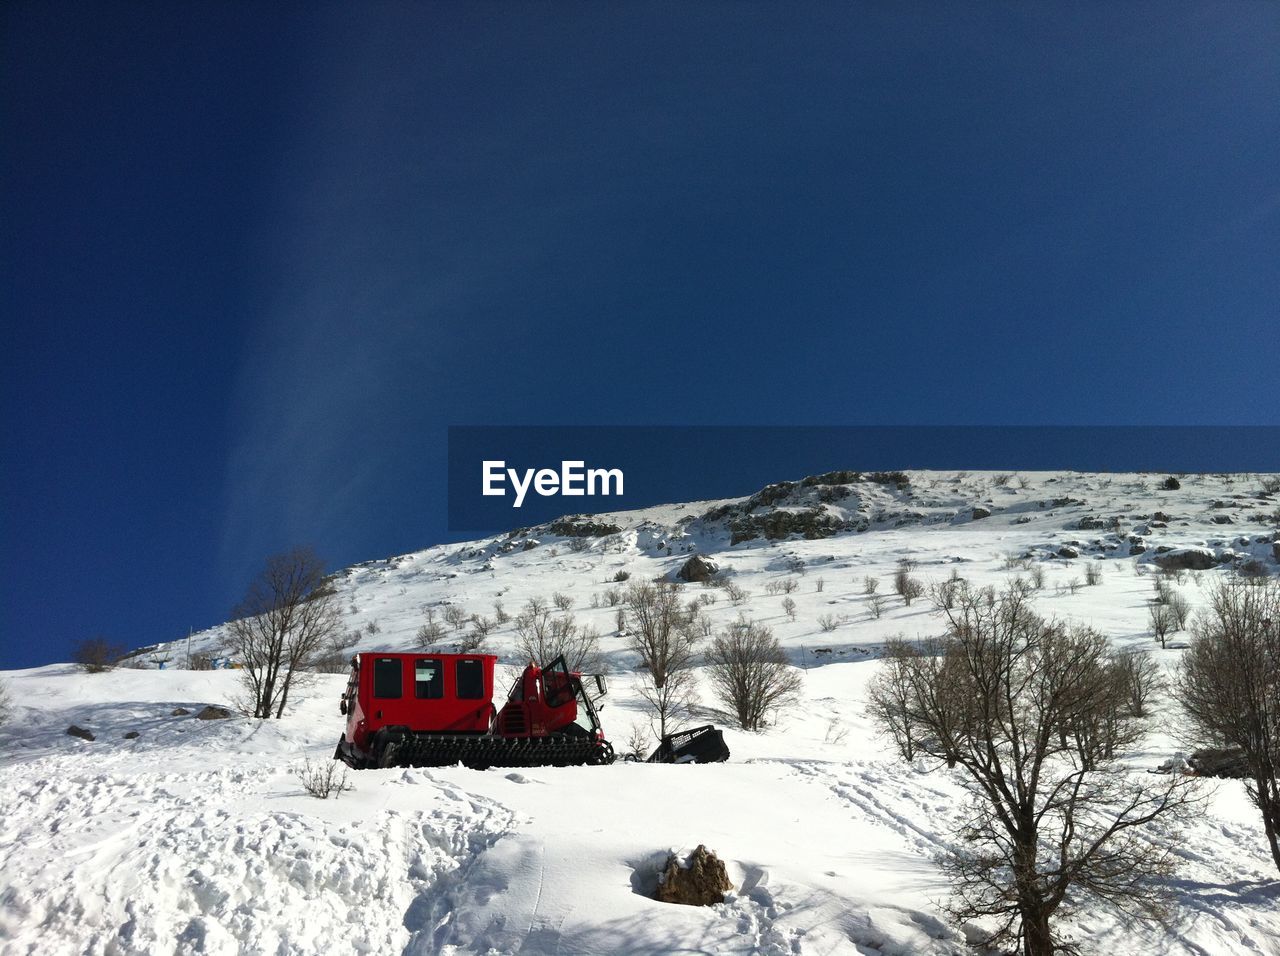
{"x": 254, "y": 258}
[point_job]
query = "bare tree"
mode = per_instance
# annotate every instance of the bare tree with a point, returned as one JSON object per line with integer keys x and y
{"x": 1140, "y": 678}
{"x": 664, "y": 634}
{"x": 1161, "y": 621}
{"x": 1229, "y": 685}
{"x": 789, "y": 607}
{"x": 541, "y": 637}
{"x": 1013, "y": 702}
{"x": 889, "y": 695}
{"x": 96, "y": 654}
{"x": 750, "y": 673}
{"x": 288, "y": 616}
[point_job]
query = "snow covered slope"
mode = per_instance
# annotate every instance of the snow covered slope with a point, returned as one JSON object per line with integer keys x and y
{"x": 195, "y": 837}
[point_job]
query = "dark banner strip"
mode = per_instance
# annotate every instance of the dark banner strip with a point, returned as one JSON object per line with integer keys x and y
{"x": 502, "y": 477}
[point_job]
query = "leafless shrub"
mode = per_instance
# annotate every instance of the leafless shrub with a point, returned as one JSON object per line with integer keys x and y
{"x": 1270, "y": 484}
{"x": 1092, "y": 573}
{"x": 943, "y": 594}
{"x": 500, "y": 613}
{"x": 870, "y": 585}
{"x": 1019, "y": 587}
{"x": 1229, "y": 686}
{"x": 789, "y": 608}
{"x": 1160, "y": 622}
{"x": 1072, "y": 585}
{"x": 638, "y": 743}
{"x": 96, "y": 654}
{"x": 542, "y": 637}
{"x": 432, "y": 632}
{"x": 906, "y": 587}
{"x": 789, "y": 585}
{"x": 621, "y": 577}
{"x": 288, "y": 617}
{"x": 837, "y": 733}
{"x": 750, "y": 673}
{"x": 1030, "y": 713}
{"x": 736, "y": 594}
{"x": 819, "y": 584}
{"x": 828, "y": 623}
{"x": 372, "y": 628}
{"x": 335, "y": 656}
{"x": 772, "y": 587}
{"x": 1035, "y": 574}
{"x": 323, "y": 779}
{"x": 563, "y": 602}
{"x": 6, "y": 703}
{"x": 875, "y": 605}
{"x": 1001, "y": 480}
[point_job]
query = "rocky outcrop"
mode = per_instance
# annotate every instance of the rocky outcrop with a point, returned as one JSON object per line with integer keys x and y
{"x": 213, "y": 713}
{"x": 74, "y": 731}
{"x": 698, "y": 569}
{"x": 1187, "y": 559}
{"x": 582, "y": 528}
{"x": 700, "y": 881}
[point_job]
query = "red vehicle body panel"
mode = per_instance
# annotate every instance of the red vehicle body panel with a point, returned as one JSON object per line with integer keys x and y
{"x": 432, "y": 693}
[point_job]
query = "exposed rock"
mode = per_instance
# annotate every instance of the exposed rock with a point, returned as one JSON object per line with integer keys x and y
{"x": 213, "y": 713}
{"x": 1066, "y": 551}
{"x": 582, "y": 528}
{"x": 701, "y": 881}
{"x": 1222, "y": 519}
{"x": 980, "y": 512}
{"x": 1187, "y": 559}
{"x": 1225, "y": 762}
{"x": 74, "y": 731}
{"x": 698, "y": 569}
{"x": 810, "y": 523}
{"x": 179, "y": 712}
{"x": 1161, "y": 516}
{"x": 131, "y": 735}
{"x": 1090, "y": 523}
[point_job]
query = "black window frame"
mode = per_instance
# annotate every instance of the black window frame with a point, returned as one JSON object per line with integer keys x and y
{"x": 471, "y": 662}
{"x": 380, "y": 684}
{"x": 438, "y": 682}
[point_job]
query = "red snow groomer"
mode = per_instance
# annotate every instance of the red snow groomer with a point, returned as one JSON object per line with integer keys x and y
{"x": 436, "y": 710}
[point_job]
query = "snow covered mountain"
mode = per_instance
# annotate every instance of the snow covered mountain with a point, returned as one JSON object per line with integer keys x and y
{"x": 195, "y": 837}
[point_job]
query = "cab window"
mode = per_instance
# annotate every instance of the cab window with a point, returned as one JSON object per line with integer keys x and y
{"x": 428, "y": 679}
{"x": 470, "y": 680}
{"x": 386, "y": 678}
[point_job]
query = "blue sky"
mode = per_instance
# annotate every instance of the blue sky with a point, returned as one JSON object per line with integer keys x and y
{"x": 255, "y": 259}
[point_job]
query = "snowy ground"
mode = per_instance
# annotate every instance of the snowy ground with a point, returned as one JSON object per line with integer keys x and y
{"x": 195, "y": 837}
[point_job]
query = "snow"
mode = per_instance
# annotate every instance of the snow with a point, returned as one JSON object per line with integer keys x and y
{"x": 196, "y": 837}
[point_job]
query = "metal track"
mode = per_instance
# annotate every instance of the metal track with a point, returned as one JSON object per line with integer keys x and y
{"x": 481, "y": 752}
